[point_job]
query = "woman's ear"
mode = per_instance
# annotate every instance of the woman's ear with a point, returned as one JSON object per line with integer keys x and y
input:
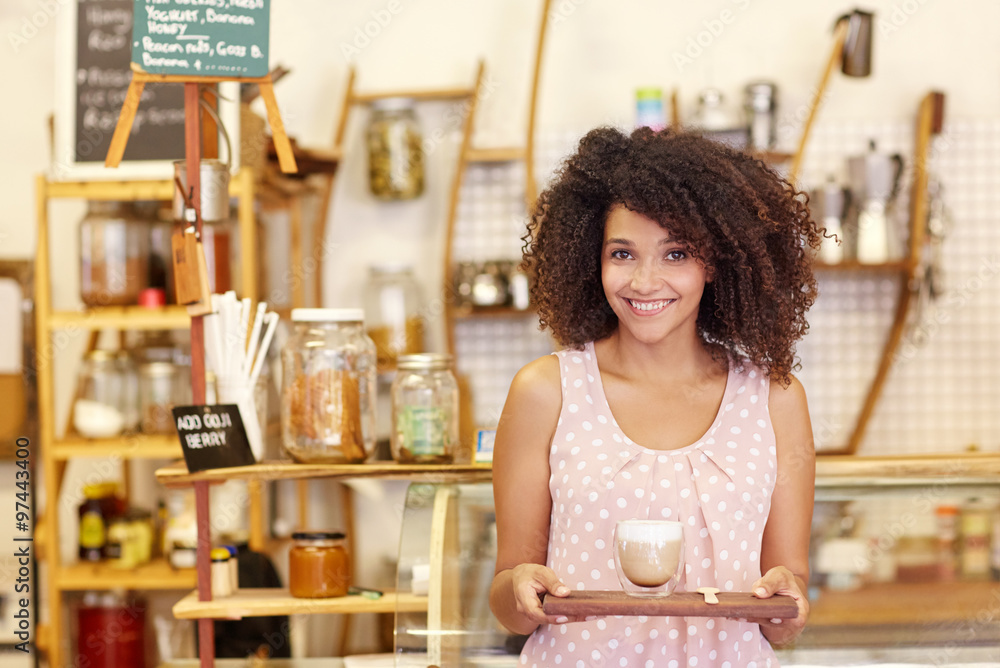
{"x": 709, "y": 273}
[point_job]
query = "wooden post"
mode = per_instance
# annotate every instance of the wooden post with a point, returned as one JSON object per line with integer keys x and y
{"x": 839, "y": 35}
{"x": 530, "y": 185}
{"x": 929, "y": 120}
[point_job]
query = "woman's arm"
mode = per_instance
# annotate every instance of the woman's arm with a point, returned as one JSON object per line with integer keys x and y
{"x": 521, "y": 495}
{"x": 784, "y": 558}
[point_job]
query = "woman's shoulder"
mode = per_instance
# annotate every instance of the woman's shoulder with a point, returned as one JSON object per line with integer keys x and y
{"x": 538, "y": 380}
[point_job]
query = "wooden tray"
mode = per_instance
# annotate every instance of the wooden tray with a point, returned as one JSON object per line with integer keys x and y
{"x": 742, "y": 605}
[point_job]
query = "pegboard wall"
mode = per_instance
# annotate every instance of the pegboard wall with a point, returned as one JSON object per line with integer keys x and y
{"x": 943, "y": 392}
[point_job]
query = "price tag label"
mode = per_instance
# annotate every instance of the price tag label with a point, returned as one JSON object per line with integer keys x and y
{"x": 212, "y": 437}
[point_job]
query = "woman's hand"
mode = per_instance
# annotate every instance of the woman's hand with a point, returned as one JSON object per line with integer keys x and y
{"x": 782, "y": 582}
{"x": 529, "y": 581}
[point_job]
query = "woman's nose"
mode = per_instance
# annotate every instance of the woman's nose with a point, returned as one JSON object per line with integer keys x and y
{"x": 643, "y": 277}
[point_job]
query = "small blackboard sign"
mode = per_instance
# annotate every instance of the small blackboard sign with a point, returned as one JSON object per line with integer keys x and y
{"x": 212, "y": 437}
{"x": 219, "y": 38}
{"x": 102, "y": 75}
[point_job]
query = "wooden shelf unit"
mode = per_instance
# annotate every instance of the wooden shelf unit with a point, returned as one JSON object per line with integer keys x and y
{"x": 57, "y": 452}
{"x": 266, "y": 602}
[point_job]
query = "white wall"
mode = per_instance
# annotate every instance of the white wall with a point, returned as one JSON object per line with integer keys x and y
{"x": 598, "y": 53}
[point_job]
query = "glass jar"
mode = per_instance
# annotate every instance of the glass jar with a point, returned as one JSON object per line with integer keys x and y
{"x": 425, "y": 410}
{"x": 392, "y": 313}
{"x": 328, "y": 387}
{"x": 98, "y": 412}
{"x": 112, "y": 255}
{"x": 128, "y": 403}
{"x": 158, "y": 390}
{"x": 159, "y": 226}
{"x": 317, "y": 565}
{"x": 395, "y": 150}
{"x": 111, "y": 630}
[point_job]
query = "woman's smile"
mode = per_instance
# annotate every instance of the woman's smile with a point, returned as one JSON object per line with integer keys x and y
{"x": 646, "y": 307}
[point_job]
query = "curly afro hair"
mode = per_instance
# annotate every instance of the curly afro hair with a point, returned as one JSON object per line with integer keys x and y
{"x": 749, "y": 227}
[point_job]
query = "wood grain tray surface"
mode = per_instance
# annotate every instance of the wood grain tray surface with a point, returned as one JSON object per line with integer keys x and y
{"x": 679, "y": 604}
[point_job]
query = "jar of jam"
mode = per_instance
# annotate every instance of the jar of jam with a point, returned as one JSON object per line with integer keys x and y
{"x": 317, "y": 565}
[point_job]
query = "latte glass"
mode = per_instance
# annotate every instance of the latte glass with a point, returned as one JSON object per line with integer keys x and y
{"x": 649, "y": 556}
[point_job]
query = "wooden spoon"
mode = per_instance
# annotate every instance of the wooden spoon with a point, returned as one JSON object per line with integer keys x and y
{"x": 710, "y": 594}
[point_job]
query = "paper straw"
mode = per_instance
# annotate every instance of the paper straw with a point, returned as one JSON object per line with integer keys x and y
{"x": 272, "y": 324}
{"x": 258, "y": 320}
{"x": 241, "y": 359}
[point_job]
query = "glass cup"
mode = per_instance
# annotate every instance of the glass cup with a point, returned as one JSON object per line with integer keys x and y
{"x": 649, "y": 556}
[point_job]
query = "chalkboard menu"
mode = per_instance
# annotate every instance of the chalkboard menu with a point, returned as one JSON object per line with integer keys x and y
{"x": 206, "y": 38}
{"x": 102, "y": 75}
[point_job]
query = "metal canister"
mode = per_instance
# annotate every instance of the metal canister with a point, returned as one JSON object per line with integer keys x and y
{"x": 214, "y": 185}
{"x": 760, "y": 103}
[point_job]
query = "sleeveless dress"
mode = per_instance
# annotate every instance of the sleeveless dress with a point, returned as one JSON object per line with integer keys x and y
{"x": 720, "y": 487}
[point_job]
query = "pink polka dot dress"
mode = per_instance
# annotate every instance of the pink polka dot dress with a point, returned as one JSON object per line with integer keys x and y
{"x": 719, "y": 487}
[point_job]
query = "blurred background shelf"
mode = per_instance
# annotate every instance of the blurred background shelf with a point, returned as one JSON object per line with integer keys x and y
{"x": 135, "y": 446}
{"x": 156, "y": 575}
{"x": 267, "y": 602}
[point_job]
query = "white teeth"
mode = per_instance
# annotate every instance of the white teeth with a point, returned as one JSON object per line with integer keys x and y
{"x": 649, "y": 306}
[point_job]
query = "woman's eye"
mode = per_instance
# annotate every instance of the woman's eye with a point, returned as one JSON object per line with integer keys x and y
{"x": 620, "y": 254}
{"x": 677, "y": 254}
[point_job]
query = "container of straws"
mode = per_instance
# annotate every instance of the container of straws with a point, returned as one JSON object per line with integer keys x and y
{"x": 237, "y": 337}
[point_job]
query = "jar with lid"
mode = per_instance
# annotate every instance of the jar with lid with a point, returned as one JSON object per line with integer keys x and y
{"x": 99, "y": 411}
{"x": 425, "y": 410}
{"x": 159, "y": 387}
{"x": 393, "y": 313}
{"x": 395, "y": 150}
{"x": 112, "y": 255}
{"x": 219, "y": 234}
{"x": 328, "y": 387}
{"x": 318, "y": 566}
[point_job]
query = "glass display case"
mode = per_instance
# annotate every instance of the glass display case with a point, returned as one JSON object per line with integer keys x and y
{"x": 898, "y": 610}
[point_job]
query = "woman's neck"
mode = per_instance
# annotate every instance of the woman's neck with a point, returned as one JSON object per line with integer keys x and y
{"x": 676, "y": 357}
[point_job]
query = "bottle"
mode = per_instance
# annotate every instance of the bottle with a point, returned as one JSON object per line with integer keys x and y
{"x": 976, "y": 523}
{"x": 328, "y": 387}
{"x": 98, "y": 510}
{"x": 760, "y": 104}
{"x": 112, "y": 255}
{"x": 395, "y": 150}
{"x": 947, "y": 542}
{"x": 649, "y": 109}
{"x": 393, "y": 318}
{"x": 425, "y": 410}
{"x": 221, "y": 578}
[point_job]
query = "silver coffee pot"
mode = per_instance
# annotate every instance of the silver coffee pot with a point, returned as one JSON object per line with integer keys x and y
{"x": 874, "y": 181}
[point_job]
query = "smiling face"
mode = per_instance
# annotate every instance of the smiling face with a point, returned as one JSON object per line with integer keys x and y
{"x": 652, "y": 282}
